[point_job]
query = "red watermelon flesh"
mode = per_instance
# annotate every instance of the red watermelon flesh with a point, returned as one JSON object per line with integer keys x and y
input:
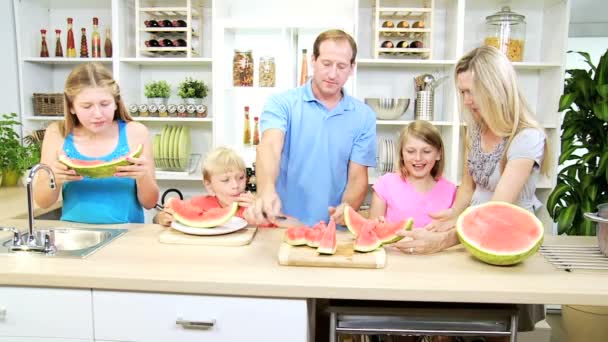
{"x": 296, "y": 236}
{"x": 328, "y": 243}
{"x": 500, "y": 233}
{"x": 314, "y": 235}
{"x": 387, "y": 231}
{"x": 367, "y": 240}
{"x": 190, "y": 215}
{"x": 354, "y": 221}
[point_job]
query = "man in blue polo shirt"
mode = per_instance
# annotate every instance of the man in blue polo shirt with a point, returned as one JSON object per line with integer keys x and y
{"x": 317, "y": 142}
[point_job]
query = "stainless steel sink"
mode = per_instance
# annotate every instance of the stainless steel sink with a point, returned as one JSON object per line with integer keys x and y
{"x": 66, "y": 242}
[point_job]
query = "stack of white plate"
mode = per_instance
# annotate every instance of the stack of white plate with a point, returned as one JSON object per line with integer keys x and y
{"x": 172, "y": 148}
{"x": 386, "y": 155}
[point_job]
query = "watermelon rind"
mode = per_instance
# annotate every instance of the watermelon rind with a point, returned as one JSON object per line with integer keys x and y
{"x": 407, "y": 225}
{"x": 371, "y": 243}
{"x": 204, "y": 221}
{"x": 494, "y": 257}
{"x": 353, "y": 220}
{"x": 103, "y": 170}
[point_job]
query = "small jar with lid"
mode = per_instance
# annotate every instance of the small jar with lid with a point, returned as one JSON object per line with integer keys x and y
{"x": 242, "y": 68}
{"x": 506, "y": 31}
{"x": 267, "y": 72}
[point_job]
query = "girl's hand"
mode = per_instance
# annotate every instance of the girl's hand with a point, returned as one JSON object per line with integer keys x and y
{"x": 63, "y": 174}
{"x": 139, "y": 169}
{"x": 245, "y": 199}
{"x": 442, "y": 221}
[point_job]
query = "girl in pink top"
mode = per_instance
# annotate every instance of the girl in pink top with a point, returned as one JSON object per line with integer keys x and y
{"x": 417, "y": 187}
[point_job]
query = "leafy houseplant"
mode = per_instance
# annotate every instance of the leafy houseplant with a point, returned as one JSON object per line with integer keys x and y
{"x": 15, "y": 157}
{"x": 582, "y": 183}
{"x": 158, "y": 90}
{"x": 191, "y": 88}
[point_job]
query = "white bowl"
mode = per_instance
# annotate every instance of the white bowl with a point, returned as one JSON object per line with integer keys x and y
{"x": 388, "y": 108}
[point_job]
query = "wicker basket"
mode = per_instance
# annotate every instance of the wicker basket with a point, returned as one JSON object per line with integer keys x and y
{"x": 48, "y": 104}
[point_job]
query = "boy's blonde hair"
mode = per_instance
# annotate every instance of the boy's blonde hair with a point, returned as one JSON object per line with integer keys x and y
{"x": 428, "y": 133}
{"x": 502, "y": 106}
{"x": 89, "y": 75}
{"x": 220, "y": 160}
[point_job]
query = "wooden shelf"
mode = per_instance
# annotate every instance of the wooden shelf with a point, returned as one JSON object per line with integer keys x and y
{"x": 171, "y": 119}
{"x": 384, "y": 62}
{"x": 65, "y": 60}
{"x": 200, "y": 61}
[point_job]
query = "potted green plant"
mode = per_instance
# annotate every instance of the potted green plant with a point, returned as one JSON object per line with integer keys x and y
{"x": 192, "y": 91}
{"x": 15, "y": 157}
{"x": 157, "y": 92}
{"x": 582, "y": 183}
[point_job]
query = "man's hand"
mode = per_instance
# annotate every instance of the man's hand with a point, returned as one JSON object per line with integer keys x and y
{"x": 264, "y": 209}
{"x": 337, "y": 213}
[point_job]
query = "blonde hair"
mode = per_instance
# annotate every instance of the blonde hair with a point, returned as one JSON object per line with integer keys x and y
{"x": 221, "y": 159}
{"x": 502, "y": 106}
{"x": 428, "y": 133}
{"x": 89, "y": 75}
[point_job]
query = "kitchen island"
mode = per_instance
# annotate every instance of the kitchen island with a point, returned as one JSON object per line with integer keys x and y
{"x": 138, "y": 262}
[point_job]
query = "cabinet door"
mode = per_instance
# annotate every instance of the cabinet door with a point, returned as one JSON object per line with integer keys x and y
{"x": 42, "y": 312}
{"x": 41, "y": 339}
{"x": 163, "y": 317}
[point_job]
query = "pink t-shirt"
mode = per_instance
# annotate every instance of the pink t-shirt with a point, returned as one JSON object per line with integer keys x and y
{"x": 403, "y": 201}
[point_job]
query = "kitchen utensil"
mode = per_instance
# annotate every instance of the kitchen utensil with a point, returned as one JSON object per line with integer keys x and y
{"x": 437, "y": 82}
{"x": 164, "y": 196}
{"x": 423, "y": 107}
{"x": 241, "y": 237}
{"x": 235, "y": 223}
{"x": 601, "y": 218}
{"x": 388, "y": 108}
{"x": 345, "y": 256}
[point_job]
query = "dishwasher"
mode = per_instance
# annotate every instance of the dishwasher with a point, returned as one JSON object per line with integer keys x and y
{"x": 374, "y": 318}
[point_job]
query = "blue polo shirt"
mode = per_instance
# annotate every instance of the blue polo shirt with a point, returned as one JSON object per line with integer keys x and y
{"x": 318, "y": 146}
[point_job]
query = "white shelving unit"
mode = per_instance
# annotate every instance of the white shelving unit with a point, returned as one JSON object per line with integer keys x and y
{"x": 282, "y": 29}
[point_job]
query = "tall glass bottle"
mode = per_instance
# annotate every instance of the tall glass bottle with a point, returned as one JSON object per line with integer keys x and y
{"x": 107, "y": 46}
{"x": 304, "y": 71}
{"x": 70, "y": 43}
{"x": 58, "y": 47}
{"x": 256, "y": 130}
{"x": 95, "y": 39}
{"x": 84, "y": 47}
{"x": 44, "y": 50}
{"x": 247, "y": 129}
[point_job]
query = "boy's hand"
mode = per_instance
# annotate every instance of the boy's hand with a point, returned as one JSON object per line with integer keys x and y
{"x": 246, "y": 199}
{"x": 164, "y": 218}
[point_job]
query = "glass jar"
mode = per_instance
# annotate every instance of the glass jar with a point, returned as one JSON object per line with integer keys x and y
{"x": 267, "y": 72}
{"x": 242, "y": 68}
{"x": 506, "y": 31}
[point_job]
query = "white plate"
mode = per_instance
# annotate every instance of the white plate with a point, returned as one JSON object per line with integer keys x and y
{"x": 235, "y": 223}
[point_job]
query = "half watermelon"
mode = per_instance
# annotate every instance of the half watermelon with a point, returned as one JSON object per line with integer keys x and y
{"x": 500, "y": 233}
{"x": 99, "y": 168}
{"x": 186, "y": 213}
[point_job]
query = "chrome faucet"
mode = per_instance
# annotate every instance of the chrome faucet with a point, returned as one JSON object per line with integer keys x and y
{"x": 32, "y": 242}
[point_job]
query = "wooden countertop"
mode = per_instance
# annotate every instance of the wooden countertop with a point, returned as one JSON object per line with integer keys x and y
{"x": 137, "y": 261}
{"x": 14, "y": 203}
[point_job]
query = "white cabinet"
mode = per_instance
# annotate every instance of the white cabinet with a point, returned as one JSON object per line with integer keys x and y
{"x": 125, "y": 316}
{"x": 45, "y": 314}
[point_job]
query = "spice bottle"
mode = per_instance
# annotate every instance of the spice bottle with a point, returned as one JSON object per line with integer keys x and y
{"x": 107, "y": 46}
{"x": 172, "y": 110}
{"x": 304, "y": 71}
{"x": 506, "y": 31}
{"x": 162, "y": 110}
{"x": 84, "y": 47}
{"x": 152, "y": 110}
{"x": 71, "y": 46}
{"x": 58, "y": 47}
{"x": 95, "y": 39}
{"x": 267, "y": 71}
{"x": 246, "y": 129}
{"x": 134, "y": 110}
{"x": 242, "y": 68}
{"x": 201, "y": 111}
{"x": 44, "y": 50}
{"x": 256, "y": 131}
{"x": 143, "y": 110}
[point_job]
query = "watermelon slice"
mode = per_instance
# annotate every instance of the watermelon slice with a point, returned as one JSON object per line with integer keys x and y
{"x": 354, "y": 221}
{"x": 296, "y": 236}
{"x": 500, "y": 233}
{"x": 314, "y": 235}
{"x": 387, "y": 231}
{"x": 186, "y": 213}
{"x": 99, "y": 168}
{"x": 328, "y": 243}
{"x": 367, "y": 240}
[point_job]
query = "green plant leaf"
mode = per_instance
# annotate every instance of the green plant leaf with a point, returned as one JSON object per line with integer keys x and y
{"x": 554, "y": 197}
{"x": 586, "y": 56}
{"x": 589, "y": 157}
{"x": 601, "y": 73}
{"x": 600, "y": 109}
{"x": 586, "y": 228}
{"x": 566, "y": 154}
{"x": 565, "y": 218}
{"x": 602, "y": 90}
{"x": 592, "y": 191}
{"x": 565, "y": 101}
{"x": 602, "y": 165}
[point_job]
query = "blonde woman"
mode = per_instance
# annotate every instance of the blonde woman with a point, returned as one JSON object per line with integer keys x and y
{"x": 97, "y": 126}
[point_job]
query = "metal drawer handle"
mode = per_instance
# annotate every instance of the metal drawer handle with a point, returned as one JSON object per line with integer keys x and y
{"x": 202, "y": 325}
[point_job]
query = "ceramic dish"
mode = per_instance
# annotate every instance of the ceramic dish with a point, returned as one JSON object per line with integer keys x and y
{"x": 235, "y": 223}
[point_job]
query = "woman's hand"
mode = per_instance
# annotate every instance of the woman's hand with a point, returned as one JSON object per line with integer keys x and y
{"x": 423, "y": 241}
{"x": 442, "y": 221}
{"x": 63, "y": 174}
{"x": 139, "y": 168}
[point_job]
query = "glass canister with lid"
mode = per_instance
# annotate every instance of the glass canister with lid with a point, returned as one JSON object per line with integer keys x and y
{"x": 242, "y": 68}
{"x": 506, "y": 31}
{"x": 267, "y": 71}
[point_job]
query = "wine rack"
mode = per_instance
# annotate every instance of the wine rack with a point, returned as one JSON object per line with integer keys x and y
{"x": 403, "y": 32}
{"x": 168, "y": 31}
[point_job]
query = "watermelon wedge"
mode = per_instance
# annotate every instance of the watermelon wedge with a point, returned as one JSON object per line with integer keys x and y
{"x": 354, "y": 221}
{"x": 387, "y": 231}
{"x": 186, "y": 213}
{"x": 328, "y": 243}
{"x": 367, "y": 241}
{"x": 500, "y": 233}
{"x": 314, "y": 235}
{"x": 296, "y": 236}
{"x": 99, "y": 168}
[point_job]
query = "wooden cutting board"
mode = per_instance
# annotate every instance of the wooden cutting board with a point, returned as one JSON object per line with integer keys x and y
{"x": 345, "y": 256}
{"x": 239, "y": 238}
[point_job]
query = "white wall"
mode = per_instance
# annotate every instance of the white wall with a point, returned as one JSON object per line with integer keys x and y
{"x": 595, "y": 46}
{"x": 9, "y": 87}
